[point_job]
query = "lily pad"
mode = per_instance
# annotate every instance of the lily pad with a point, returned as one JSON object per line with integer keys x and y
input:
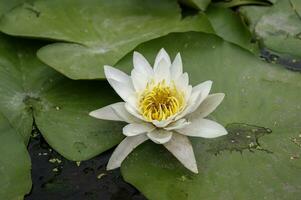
{"x": 278, "y": 26}
{"x": 8, "y": 5}
{"x": 95, "y": 32}
{"x": 229, "y": 25}
{"x": 15, "y": 163}
{"x": 260, "y": 157}
{"x": 30, "y": 91}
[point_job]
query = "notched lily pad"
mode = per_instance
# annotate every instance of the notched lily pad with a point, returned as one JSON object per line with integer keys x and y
{"x": 30, "y": 91}
{"x": 240, "y": 137}
{"x": 96, "y": 32}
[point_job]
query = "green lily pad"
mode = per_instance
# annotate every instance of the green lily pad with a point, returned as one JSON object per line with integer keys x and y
{"x": 15, "y": 164}
{"x": 296, "y": 4}
{"x": 198, "y": 4}
{"x": 260, "y": 158}
{"x": 95, "y": 32}
{"x": 229, "y": 25}
{"x": 278, "y": 26}
{"x": 6, "y": 5}
{"x": 30, "y": 91}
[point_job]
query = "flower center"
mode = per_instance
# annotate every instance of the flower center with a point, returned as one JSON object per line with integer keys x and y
{"x": 160, "y": 101}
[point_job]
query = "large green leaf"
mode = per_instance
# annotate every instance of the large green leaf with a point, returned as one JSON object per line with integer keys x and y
{"x": 278, "y": 26}
{"x": 250, "y": 162}
{"x": 228, "y": 25}
{"x": 15, "y": 165}
{"x": 96, "y": 32}
{"x": 30, "y": 90}
{"x": 6, "y": 5}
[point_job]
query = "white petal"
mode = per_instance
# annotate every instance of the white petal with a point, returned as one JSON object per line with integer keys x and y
{"x": 137, "y": 129}
{"x": 124, "y": 149}
{"x": 176, "y": 67}
{"x": 162, "y": 55}
{"x": 162, "y": 123}
{"x": 181, "y": 148}
{"x": 117, "y": 75}
{"x": 159, "y": 136}
{"x": 162, "y": 71}
{"x": 182, "y": 82}
{"x": 199, "y": 94}
{"x": 141, "y": 64}
{"x": 203, "y": 128}
{"x": 126, "y": 93}
{"x": 133, "y": 111}
{"x": 181, "y": 123}
{"x": 122, "y": 113}
{"x": 106, "y": 113}
{"x": 208, "y": 105}
{"x": 204, "y": 88}
{"x": 187, "y": 92}
{"x": 189, "y": 105}
{"x": 139, "y": 80}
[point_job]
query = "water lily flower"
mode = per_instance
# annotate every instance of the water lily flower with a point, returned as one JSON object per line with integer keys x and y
{"x": 160, "y": 105}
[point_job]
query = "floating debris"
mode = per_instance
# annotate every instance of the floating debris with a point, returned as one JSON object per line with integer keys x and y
{"x": 294, "y": 157}
{"x": 78, "y": 163}
{"x": 43, "y": 154}
{"x": 296, "y": 141}
{"x": 55, "y": 160}
{"x": 99, "y": 176}
{"x": 34, "y": 134}
{"x": 251, "y": 145}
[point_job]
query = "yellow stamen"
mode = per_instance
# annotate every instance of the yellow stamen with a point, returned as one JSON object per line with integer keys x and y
{"x": 160, "y": 101}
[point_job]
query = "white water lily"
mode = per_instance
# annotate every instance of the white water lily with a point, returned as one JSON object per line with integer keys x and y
{"x": 160, "y": 105}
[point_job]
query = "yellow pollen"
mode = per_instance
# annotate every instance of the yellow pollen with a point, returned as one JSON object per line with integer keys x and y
{"x": 160, "y": 101}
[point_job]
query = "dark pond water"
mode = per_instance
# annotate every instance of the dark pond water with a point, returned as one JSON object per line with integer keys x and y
{"x": 55, "y": 178}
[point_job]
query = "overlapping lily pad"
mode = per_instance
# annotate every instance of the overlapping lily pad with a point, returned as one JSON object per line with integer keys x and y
{"x": 30, "y": 91}
{"x": 15, "y": 163}
{"x": 95, "y": 32}
{"x": 259, "y": 159}
{"x": 278, "y": 26}
{"x": 229, "y": 25}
